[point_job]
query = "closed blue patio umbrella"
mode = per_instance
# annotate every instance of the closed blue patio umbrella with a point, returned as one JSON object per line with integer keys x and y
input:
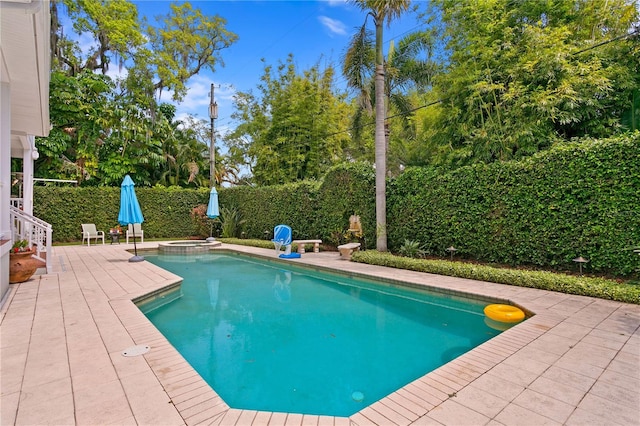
{"x": 130, "y": 212}
{"x": 213, "y": 210}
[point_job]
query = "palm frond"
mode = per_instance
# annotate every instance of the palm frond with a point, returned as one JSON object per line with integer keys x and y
{"x": 358, "y": 63}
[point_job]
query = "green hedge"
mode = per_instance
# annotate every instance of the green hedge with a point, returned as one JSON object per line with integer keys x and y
{"x": 584, "y": 286}
{"x": 312, "y": 209}
{"x": 167, "y": 211}
{"x": 265, "y": 207}
{"x": 577, "y": 199}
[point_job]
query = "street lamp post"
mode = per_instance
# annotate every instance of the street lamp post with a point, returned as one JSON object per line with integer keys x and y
{"x": 213, "y": 114}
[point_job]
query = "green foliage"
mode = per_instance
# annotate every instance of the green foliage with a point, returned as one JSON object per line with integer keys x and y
{"x": 104, "y": 129}
{"x": 20, "y": 246}
{"x": 524, "y": 75}
{"x": 265, "y": 207}
{"x": 574, "y": 200}
{"x": 584, "y": 286}
{"x": 166, "y": 211}
{"x": 232, "y": 222}
{"x": 161, "y": 56}
{"x": 248, "y": 242}
{"x": 295, "y": 130}
{"x": 205, "y": 226}
{"x": 97, "y": 138}
{"x": 411, "y": 249}
{"x": 80, "y": 110}
{"x": 347, "y": 189}
{"x": 185, "y": 42}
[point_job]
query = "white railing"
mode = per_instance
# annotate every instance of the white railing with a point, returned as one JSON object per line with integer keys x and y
{"x": 36, "y": 231}
{"x": 17, "y": 202}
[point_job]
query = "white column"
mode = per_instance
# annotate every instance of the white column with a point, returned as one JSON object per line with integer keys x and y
{"x": 5, "y": 186}
{"x": 5, "y": 160}
{"x": 27, "y": 175}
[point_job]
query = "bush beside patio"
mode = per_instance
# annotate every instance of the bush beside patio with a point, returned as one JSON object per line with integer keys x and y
{"x": 581, "y": 285}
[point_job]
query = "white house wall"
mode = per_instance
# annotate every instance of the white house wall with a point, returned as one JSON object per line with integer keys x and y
{"x": 24, "y": 100}
{"x": 5, "y": 186}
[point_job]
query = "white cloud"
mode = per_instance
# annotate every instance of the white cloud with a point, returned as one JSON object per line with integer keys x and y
{"x": 337, "y": 2}
{"x": 333, "y": 25}
{"x": 198, "y": 90}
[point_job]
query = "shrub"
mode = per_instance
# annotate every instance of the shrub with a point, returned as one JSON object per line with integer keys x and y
{"x": 248, "y": 242}
{"x": 232, "y": 222}
{"x": 411, "y": 249}
{"x": 202, "y": 223}
{"x": 575, "y": 199}
{"x": 585, "y": 286}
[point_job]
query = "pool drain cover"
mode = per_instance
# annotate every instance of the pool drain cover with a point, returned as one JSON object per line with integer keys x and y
{"x": 136, "y": 350}
{"x": 357, "y": 396}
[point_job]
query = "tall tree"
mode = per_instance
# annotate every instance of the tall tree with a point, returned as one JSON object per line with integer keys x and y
{"x": 112, "y": 24}
{"x": 525, "y": 75}
{"x": 103, "y": 128}
{"x": 295, "y": 130}
{"x": 158, "y": 57}
{"x": 381, "y": 11}
{"x": 81, "y": 113}
{"x": 186, "y": 42}
{"x": 409, "y": 69}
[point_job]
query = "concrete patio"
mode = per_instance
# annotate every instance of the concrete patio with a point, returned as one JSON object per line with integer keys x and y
{"x": 576, "y": 362}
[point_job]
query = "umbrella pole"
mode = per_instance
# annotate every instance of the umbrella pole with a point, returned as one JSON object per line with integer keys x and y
{"x": 135, "y": 258}
{"x": 210, "y": 239}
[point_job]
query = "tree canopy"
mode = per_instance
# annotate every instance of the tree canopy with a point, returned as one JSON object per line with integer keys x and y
{"x": 105, "y": 128}
{"x": 524, "y": 75}
{"x": 295, "y": 129}
{"x": 478, "y": 82}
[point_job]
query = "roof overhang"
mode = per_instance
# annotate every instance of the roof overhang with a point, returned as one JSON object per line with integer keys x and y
{"x": 25, "y": 65}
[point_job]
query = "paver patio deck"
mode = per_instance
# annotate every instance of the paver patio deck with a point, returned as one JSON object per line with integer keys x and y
{"x": 576, "y": 362}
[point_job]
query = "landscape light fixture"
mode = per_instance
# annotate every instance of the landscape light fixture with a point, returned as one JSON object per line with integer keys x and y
{"x": 452, "y": 250}
{"x": 580, "y": 260}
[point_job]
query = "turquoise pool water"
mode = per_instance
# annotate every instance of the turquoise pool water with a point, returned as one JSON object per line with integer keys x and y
{"x": 276, "y": 337}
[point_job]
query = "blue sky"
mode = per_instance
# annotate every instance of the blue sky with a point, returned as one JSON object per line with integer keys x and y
{"x": 313, "y": 31}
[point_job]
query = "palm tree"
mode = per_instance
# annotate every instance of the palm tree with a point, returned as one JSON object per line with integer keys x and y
{"x": 409, "y": 66}
{"x": 380, "y": 11}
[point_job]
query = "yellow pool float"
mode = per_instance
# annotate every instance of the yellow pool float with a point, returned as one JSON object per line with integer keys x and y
{"x": 504, "y": 313}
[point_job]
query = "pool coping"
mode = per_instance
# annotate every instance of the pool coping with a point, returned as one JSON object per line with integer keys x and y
{"x": 447, "y": 395}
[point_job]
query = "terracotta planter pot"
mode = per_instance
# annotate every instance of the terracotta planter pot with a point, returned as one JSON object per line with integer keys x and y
{"x": 21, "y": 266}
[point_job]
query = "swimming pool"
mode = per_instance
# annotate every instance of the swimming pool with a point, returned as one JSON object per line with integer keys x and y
{"x": 276, "y": 337}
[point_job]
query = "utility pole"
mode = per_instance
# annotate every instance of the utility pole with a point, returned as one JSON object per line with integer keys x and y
{"x": 213, "y": 114}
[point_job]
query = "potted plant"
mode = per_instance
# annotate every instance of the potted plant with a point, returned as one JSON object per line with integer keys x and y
{"x": 21, "y": 263}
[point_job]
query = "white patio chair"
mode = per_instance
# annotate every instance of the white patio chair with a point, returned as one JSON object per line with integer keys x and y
{"x": 139, "y": 232}
{"x": 89, "y": 231}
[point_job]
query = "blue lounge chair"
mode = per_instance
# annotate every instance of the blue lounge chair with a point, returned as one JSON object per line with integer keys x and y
{"x": 282, "y": 237}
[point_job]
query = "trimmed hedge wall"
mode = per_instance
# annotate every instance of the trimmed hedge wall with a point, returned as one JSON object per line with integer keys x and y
{"x": 265, "y": 207}
{"x": 312, "y": 209}
{"x": 166, "y": 211}
{"x": 577, "y": 199}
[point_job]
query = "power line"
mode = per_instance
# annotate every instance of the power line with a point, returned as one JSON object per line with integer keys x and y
{"x": 607, "y": 42}
{"x": 371, "y": 123}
